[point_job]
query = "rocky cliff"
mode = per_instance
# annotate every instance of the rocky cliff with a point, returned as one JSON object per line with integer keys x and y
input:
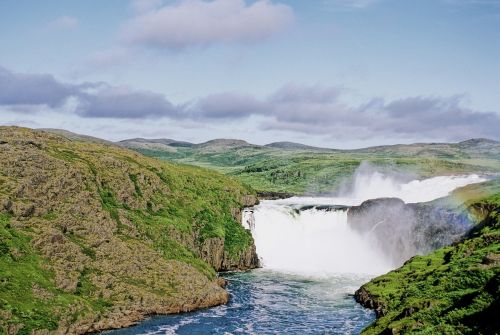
{"x": 93, "y": 236}
{"x": 403, "y": 230}
{"x": 452, "y": 290}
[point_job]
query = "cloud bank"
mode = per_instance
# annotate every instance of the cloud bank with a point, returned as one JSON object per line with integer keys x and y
{"x": 26, "y": 92}
{"x": 312, "y": 110}
{"x": 202, "y": 23}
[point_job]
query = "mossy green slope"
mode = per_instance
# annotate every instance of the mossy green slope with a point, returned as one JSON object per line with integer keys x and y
{"x": 310, "y": 170}
{"x": 453, "y": 290}
{"x": 93, "y": 236}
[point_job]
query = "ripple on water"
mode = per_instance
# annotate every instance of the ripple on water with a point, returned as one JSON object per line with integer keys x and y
{"x": 265, "y": 302}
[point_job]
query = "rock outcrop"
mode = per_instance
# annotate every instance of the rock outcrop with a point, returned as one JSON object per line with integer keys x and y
{"x": 94, "y": 236}
{"x": 452, "y": 290}
{"x": 403, "y": 230}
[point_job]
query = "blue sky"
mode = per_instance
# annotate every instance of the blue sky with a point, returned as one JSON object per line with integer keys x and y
{"x": 337, "y": 73}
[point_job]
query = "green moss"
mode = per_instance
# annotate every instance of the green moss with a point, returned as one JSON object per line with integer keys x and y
{"x": 18, "y": 275}
{"x": 110, "y": 204}
{"x": 454, "y": 290}
{"x": 169, "y": 208}
{"x": 50, "y": 216}
{"x": 81, "y": 243}
{"x": 211, "y": 224}
{"x": 299, "y": 171}
{"x": 133, "y": 178}
{"x": 66, "y": 155}
{"x": 237, "y": 239}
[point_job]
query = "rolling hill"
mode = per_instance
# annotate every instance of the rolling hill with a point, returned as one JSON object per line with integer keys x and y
{"x": 296, "y": 168}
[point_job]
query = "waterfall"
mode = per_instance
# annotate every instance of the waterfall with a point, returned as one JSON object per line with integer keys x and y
{"x": 293, "y": 238}
{"x": 312, "y": 242}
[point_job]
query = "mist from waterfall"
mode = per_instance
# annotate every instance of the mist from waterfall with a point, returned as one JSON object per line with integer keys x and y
{"x": 314, "y": 260}
{"x": 314, "y": 242}
{"x": 320, "y": 243}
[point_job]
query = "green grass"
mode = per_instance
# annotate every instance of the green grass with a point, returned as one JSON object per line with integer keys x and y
{"x": 133, "y": 178}
{"x": 200, "y": 203}
{"x": 20, "y": 269}
{"x": 453, "y": 290}
{"x": 97, "y": 205}
{"x": 204, "y": 201}
{"x": 299, "y": 171}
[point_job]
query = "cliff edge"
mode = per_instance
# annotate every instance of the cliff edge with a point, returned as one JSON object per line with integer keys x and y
{"x": 94, "y": 236}
{"x": 452, "y": 290}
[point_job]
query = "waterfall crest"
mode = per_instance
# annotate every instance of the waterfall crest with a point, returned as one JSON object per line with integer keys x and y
{"x": 293, "y": 238}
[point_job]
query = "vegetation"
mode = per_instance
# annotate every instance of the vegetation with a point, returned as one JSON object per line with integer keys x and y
{"x": 295, "y": 169}
{"x": 93, "y": 236}
{"x": 453, "y": 290}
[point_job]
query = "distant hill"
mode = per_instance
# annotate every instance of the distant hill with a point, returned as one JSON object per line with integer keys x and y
{"x": 165, "y": 141}
{"x": 154, "y": 144}
{"x": 223, "y": 144}
{"x": 294, "y": 146}
{"x": 466, "y": 149}
{"x": 297, "y": 168}
{"x": 472, "y": 146}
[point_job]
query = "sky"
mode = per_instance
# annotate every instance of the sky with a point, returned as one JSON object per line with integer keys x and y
{"x": 331, "y": 73}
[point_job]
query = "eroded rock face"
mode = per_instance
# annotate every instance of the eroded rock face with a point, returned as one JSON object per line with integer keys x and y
{"x": 107, "y": 228}
{"x": 404, "y": 230}
{"x": 363, "y": 297}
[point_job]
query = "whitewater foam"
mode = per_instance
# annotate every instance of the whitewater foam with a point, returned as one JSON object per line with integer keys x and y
{"x": 320, "y": 243}
{"x": 378, "y": 185}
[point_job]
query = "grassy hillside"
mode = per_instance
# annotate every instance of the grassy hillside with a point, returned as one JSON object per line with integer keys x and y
{"x": 94, "y": 236}
{"x": 453, "y": 290}
{"x": 290, "y": 167}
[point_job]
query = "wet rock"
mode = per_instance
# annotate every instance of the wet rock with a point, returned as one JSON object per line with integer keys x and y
{"x": 403, "y": 230}
{"x": 222, "y": 282}
{"x": 363, "y": 297}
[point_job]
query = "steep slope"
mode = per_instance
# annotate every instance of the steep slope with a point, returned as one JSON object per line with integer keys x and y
{"x": 453, "y": 290}
{"x": 94, "y": 236}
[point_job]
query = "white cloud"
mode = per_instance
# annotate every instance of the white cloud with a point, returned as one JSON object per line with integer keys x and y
{"x": 64, "y": 23}
{"x": 199, "y": 23}
{"x": 312, "y": 110}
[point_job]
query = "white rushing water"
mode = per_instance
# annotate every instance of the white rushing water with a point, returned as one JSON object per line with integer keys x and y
{"x": 320, "y": 243}
{"x": 378, "y": 185}
{"x": 313, "y": 263}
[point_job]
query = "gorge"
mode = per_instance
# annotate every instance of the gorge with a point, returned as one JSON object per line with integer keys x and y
{"x": 317, "y": 251}
{"x": 95, "y": 237}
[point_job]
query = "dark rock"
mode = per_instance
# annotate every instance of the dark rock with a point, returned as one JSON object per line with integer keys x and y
{"x": 273, "y": 195}
{"x": 26, "y": 210}
{"x": 7, "y": 204}
{"x": 403, "y": 230}
{"x": 491, "y": 259}
{"x": 58, "y": 238}
{"x": 363, "y": 297}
